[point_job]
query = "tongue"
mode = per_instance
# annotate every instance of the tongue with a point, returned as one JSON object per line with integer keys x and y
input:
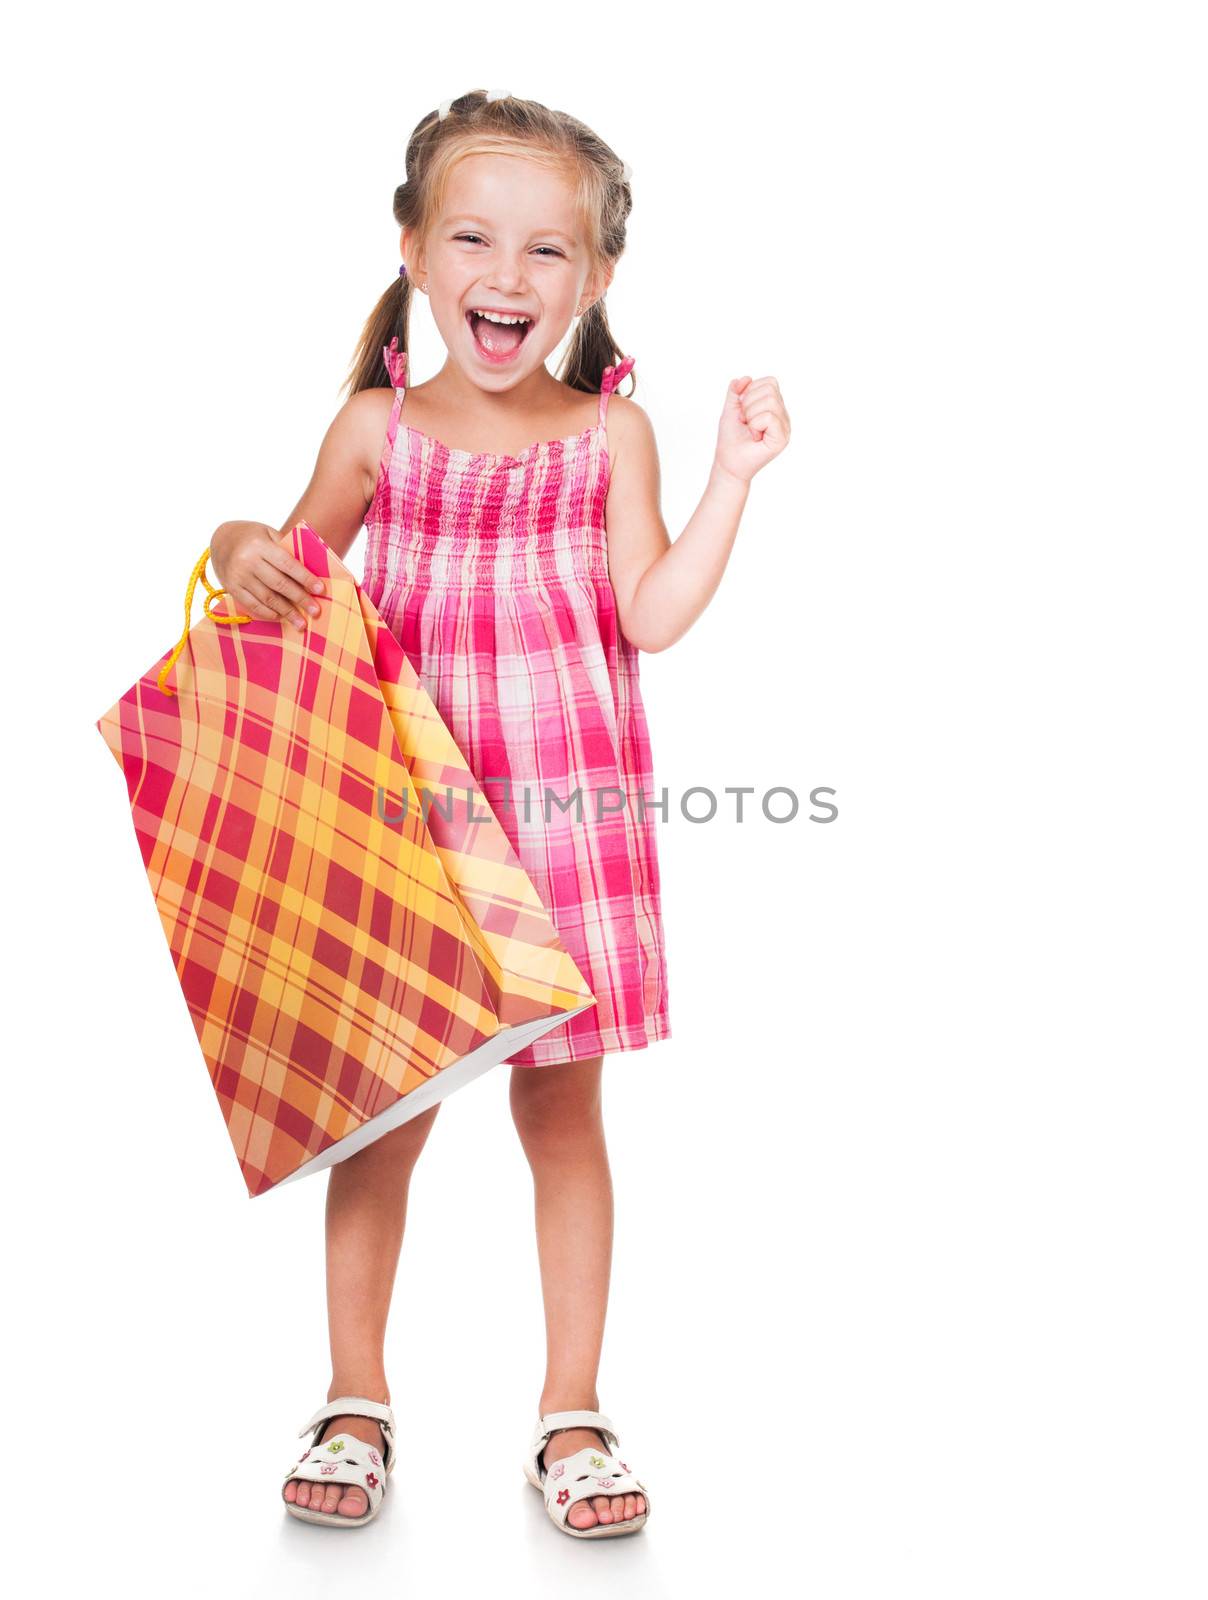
{"x": 498, "y": 337}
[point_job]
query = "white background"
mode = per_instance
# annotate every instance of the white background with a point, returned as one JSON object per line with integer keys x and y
{"x": 908, "y": 1295}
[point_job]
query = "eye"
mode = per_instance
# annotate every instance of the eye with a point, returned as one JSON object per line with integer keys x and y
{"x": 476, "y": 238}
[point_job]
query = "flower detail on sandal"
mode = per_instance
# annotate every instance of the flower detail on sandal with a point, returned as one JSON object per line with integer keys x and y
{"x": 336, "y": 1445}
{"x": 563, "y": 1496}
{"x": 328, "y": 1466}
{"x": 605, "y": 1483}
{"x": 596, "y": 1461}
{"x": 375, "y": 1458}
{"x": 558, "y": 1468}
{"x": 624, "y": 1467}
{"x": 371, "y": 1480}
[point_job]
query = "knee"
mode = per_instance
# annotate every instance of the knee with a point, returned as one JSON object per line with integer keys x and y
{"x": 400, "y": 1148}
{"x": 556, "y": 1103}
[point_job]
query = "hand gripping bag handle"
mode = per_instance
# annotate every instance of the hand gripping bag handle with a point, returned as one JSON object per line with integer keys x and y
{"x": 199, "y": 571}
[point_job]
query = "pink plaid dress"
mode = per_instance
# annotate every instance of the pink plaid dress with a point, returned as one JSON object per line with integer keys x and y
{"x": 492, "y": 573}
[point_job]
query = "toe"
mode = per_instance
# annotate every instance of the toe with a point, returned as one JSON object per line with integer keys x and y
{"x": 354, "y": 1504}
{"x": 581, "y": 1515}
{"x": 302, "y": 1493}
{"x": 291, "y": 1490}
{"x": 603, "y": 1507}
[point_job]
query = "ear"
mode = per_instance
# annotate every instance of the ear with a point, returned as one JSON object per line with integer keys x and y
{"x": 417, "y": 266}
{"x": 597, "y": 283}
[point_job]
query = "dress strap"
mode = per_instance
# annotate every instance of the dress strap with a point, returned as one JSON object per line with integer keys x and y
{"x": 612, "y": 376}
{"x": 396, "y": 367}
{"x": 396, "y": 364}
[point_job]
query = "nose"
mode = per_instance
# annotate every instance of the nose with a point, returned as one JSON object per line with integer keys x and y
{"x": 508, "y": 273}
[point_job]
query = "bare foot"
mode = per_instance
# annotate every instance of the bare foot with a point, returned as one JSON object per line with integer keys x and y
{"x": 600, "y": 1507}
{"x": 345, "y": 1498}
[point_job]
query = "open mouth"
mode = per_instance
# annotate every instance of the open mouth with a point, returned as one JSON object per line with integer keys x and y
{"x": 498, "y": 337}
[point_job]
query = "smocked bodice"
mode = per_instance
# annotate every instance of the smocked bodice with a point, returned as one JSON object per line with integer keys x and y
{"x": 448, "y": 518}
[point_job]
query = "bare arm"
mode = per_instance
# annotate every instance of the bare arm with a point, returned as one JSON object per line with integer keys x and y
{"x": 261, "y": 577}
{"x": 662, "y": 587}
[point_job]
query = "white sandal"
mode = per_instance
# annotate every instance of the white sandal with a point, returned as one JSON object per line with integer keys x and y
{"x": 583, "y": 1475}
{"x": 343, "y": 1458}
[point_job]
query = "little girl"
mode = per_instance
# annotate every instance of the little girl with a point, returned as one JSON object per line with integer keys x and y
{"x": 517, "y": 551}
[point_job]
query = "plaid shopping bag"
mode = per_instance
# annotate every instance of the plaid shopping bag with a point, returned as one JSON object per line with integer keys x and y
{"x": 353, "y": 933}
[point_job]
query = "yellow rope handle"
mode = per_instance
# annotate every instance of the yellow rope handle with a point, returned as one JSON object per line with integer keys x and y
{"x": 199, "y": 571}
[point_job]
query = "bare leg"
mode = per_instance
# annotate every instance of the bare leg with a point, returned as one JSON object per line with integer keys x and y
{"x": 558, "y": 1115}
{"x": 366, "y": 1215}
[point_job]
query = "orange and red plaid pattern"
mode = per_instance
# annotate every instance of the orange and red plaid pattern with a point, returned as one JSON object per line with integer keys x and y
{"x": 350, "y": 952}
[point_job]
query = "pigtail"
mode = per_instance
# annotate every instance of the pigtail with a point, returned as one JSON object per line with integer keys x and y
{"x": 592, "y": 348}
{"x": 389, "y": 319}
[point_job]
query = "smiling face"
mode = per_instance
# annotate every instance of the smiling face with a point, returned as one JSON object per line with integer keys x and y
{"x": 508, "y": 242}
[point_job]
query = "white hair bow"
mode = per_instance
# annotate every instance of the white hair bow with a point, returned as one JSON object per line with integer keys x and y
{"x": 442, "y": 110}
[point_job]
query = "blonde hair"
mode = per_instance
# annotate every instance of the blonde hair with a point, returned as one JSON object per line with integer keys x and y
{"x": 474, "y": 125}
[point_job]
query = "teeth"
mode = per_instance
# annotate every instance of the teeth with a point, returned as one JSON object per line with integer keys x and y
{"x": 493, "y": 316}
